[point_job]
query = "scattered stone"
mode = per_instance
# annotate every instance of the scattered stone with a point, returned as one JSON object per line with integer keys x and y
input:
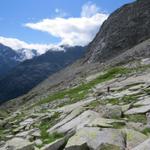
{"x": 70, "y": 108}
{"x": 68, "y": 118}
{"x": 107, "y": 111}
{"x": 76, "y": 123}
{"x": 144, "y": 102}
{"x": 26, "y": 122}
{"x": 38, "y": 142}
{"x": 138, "y": 110}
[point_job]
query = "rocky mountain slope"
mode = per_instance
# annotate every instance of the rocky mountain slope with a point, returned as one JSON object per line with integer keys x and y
{"x": 125, "y": 28}
{"x": 96, "y": 106}
{"x": 86, "y": 116}
{"x": 9, "y": 58}
{"x": 31, "y": 72}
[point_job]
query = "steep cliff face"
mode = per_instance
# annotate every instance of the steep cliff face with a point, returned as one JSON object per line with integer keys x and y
{"x": 125, "y": 28}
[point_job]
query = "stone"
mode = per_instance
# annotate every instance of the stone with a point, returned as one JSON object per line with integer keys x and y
{"x": 134, "y": 138}
{"x": 38, "y": 142}
{"x": 107, "y": 111}
{"x": 126, "y": 107}
{"x": 26, "y": 122}
{"x": 18, "y": 144}
{"x": 95, "y": 138}
{"x": 146, "y": 101}
{"x": 135, "y": 126}
{"x": 103, "y": 122}
{"x": 70, "y": 108}
{"x": 143, "y": 146}
{"x": 138, "y": 110}
{"x": 76, "y": 123}
{"x": 68, "y": 118}
{"x": 56, "y": 145}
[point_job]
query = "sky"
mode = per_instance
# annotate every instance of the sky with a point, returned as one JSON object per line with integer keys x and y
{"x": 44, "y": 24}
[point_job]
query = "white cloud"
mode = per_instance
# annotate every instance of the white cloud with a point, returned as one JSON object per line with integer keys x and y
{"x": 73, "y": 31}
{"x": 18, "y": 44}
{"x": 89, "y": 10}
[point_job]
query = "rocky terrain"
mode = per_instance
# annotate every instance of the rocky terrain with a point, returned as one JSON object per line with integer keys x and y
{"x": 93, "y": 104}
{"x": 86, "y": 116}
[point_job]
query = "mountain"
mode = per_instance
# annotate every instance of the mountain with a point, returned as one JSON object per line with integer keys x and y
{"x": 25, "y": 54}
{"x": 8, "y": 59}
{"x": 29, "y": 73}
{"x": 125, "y": 28}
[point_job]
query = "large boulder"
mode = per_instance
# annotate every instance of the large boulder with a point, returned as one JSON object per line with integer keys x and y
{"x": 76, "y": 123}
{"x": 143, "y": 146}
{"x": 95, "y": 139}
{"x": 110, "y": 111}
{"x": 134, "y": 138}
{"x": 18, "y": 144}
{"x": 68, "y": 118}
{"x": 138, "y": 110}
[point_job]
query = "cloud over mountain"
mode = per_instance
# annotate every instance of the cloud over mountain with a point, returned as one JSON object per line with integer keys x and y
{"x": 73, "y": 31}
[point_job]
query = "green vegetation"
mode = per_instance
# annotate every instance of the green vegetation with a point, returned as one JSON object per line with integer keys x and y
{"x": 118, "y": 125}
{"x": 80, "y": 92}
{"x": 147, "y": 90}
{"x": 146, "y": 131}
{"x": 94, "y": 104}
{"x": 129, "y": 99}
{"x": 110, "y": 147}
{"x": 137, "y": 118}
{"x": 44, "y": 126}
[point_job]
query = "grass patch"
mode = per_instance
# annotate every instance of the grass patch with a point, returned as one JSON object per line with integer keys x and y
{"x": 146, "y": 131}
{"x": 75, "y": 94}
{"x": 113, "y": 101}
{"x": 109, "y": 147}
{"x": 137, "y": 118}
{"x": 49, "y": 138}
{"x": 94, "y": 104}
{"x": 118, "y": 125}
{"x": 129, "y": 99}
{"x": 44, "y": 126}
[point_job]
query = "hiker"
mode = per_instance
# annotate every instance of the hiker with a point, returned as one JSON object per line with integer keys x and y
{"x": 108, "y": 89}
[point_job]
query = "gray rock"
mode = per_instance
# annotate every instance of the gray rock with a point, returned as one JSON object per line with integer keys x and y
{"x": 68, "y": 118}
{"x": 95, "y": 138}
{"x": 134, "y": 138}
{"x": 143, "y": 146}
{"x": 76, "y": 123}
{"x": 138, "y": 110}
{"x": 26, "y": 122}
{"x": 18, "y": 144}
{"x": 103, "y": 122}
{"x": 38, "y": 142}
{"x": 107, "y": 111}
{"x": 56, "y": 145}
{"x": 70, "y": 108}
